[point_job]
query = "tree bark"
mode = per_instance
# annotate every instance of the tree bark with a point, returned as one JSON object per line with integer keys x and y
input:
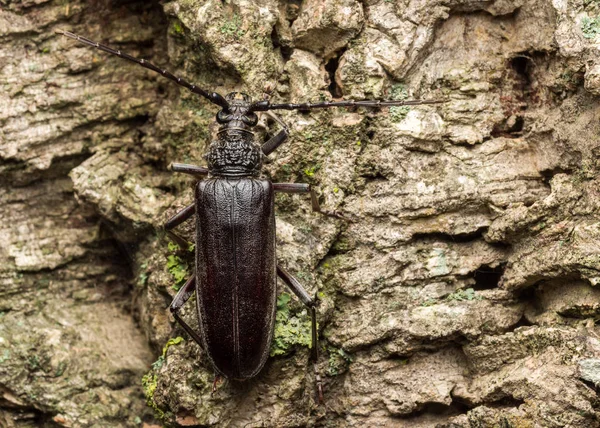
{"x": 463, "y": 294}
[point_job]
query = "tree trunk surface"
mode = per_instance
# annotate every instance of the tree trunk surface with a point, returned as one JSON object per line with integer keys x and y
{"x": 463, "y": 293}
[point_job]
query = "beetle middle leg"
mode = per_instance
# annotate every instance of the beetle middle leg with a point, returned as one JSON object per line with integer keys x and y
{"x": 307, "y": 188}
{"x": 185, "y": 292}
{"x": 196, "y": 171}
{"x": 302, "y": 294}
{"x": 175, "y": 221}
{"x": 182, "y": 296}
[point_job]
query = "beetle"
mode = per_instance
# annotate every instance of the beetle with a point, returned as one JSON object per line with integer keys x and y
{"x": 236, "y": 269}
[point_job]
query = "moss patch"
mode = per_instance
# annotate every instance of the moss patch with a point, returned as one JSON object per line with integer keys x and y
{"x": 468, "y": 294}
{"x": 177, "y": 266}
{"x": 339, "y": 360}
{"x": 399, "y": 92}
{"x": 590, "y": 27}
{"x": 150, "y": 380}
{"x": 290, "y": 329}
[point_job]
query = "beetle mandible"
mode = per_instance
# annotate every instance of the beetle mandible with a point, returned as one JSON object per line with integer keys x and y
{"x": 236, "y": 268}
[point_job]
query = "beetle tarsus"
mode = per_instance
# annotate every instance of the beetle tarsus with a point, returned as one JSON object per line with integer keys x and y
{"x": 316, "y": 207}
{"x": 215, "y": 382}
{"x": 307, "y": 188}
{"x": 319, "y": 384}
{"x": 334, "y": 214}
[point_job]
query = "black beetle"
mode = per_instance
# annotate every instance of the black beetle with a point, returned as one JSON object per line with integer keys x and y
{"x": 236, "y": 267}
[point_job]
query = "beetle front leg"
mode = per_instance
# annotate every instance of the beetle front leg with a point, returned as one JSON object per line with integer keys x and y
{"x": 276, "y": 141}
{"x": 182, "y": 296}
{"x": 307, "y": 188}
{"x": 302, "y": 294}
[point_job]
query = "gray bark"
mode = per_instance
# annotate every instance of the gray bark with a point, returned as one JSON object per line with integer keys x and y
{"x": 464, "y": 294}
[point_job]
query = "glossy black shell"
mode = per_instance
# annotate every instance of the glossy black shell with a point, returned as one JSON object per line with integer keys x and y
{"x": 236, "y": 272}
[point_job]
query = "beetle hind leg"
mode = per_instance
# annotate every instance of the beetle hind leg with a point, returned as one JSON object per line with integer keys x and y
{"x": 305, "y": 298}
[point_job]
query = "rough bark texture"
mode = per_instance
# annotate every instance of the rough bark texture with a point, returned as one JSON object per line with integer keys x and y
{"x": 463, "y": 295}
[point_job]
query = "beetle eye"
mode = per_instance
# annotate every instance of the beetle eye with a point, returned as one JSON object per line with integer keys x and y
{"x": 223, "y": 117}
{"x": 250, "y": 119}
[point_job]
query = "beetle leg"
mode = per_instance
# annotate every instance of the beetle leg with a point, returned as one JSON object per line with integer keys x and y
{"x": 182, "y": 296}
{"x": 305, "y": 298}
{"x": 278, "y": 139}
{"x": 275, "y": 141}
{"x": 180, "y": 217}
{"x": 307, "y": 188}
{"x": 182, "y": 243}
{"x": 317, "y": 208}
{"x": 215, "y": 382}
{"x": 175, "y": 221}
{"x": 196, "y": 171}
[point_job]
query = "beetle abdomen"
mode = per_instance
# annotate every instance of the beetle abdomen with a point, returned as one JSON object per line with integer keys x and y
{"x": 236, "y": 272}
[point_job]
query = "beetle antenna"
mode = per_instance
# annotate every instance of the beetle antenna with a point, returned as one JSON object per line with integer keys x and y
{"x": 211, "y": 96}
{"x": 265, "y": 105}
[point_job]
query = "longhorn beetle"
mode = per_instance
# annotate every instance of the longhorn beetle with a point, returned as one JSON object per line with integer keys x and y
{"x": 236, "y": 268}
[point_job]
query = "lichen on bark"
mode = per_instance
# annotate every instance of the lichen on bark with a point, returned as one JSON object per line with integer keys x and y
{"x": 463, "y": 294}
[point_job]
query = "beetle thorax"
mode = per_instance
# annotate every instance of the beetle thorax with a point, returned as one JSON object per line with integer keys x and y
{"x": 234, "y": 153}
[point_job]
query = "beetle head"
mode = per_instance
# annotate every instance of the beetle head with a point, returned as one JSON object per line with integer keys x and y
{"x": 237, "y": 116}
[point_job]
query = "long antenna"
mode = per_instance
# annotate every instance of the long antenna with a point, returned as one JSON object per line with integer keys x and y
{"x": 265, "y": 105}
{"x": 211, "y": 96}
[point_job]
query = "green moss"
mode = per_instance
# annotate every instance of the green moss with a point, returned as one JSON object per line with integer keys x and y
{"x": 60, "y": 369}
{"x": 290, "y": 329}
{"x": 232, "y": 27}
{"x": 339, "y": 360}
{"x": 179, "y": 269}
{"x": 176, "y": 28}
{"x": 38, "y": 362}
{"x": 150, "y": 380}
{"x": 175, "y": 341}
{"x": 585, "y": 172}
{"x": 149, "y": 383}
{"x": 310, "y": 172}
{"x": 176, "y": 266}
{"x": 143, "y": 275}
{"x": 590, "y": 27}
{"x": 461, "y": 295}
{"x": 399, "y": 92}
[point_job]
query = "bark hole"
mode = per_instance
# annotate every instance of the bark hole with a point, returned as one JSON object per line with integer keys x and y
{"x": 487, "y": 278}
{"x": 331, "y": 68}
